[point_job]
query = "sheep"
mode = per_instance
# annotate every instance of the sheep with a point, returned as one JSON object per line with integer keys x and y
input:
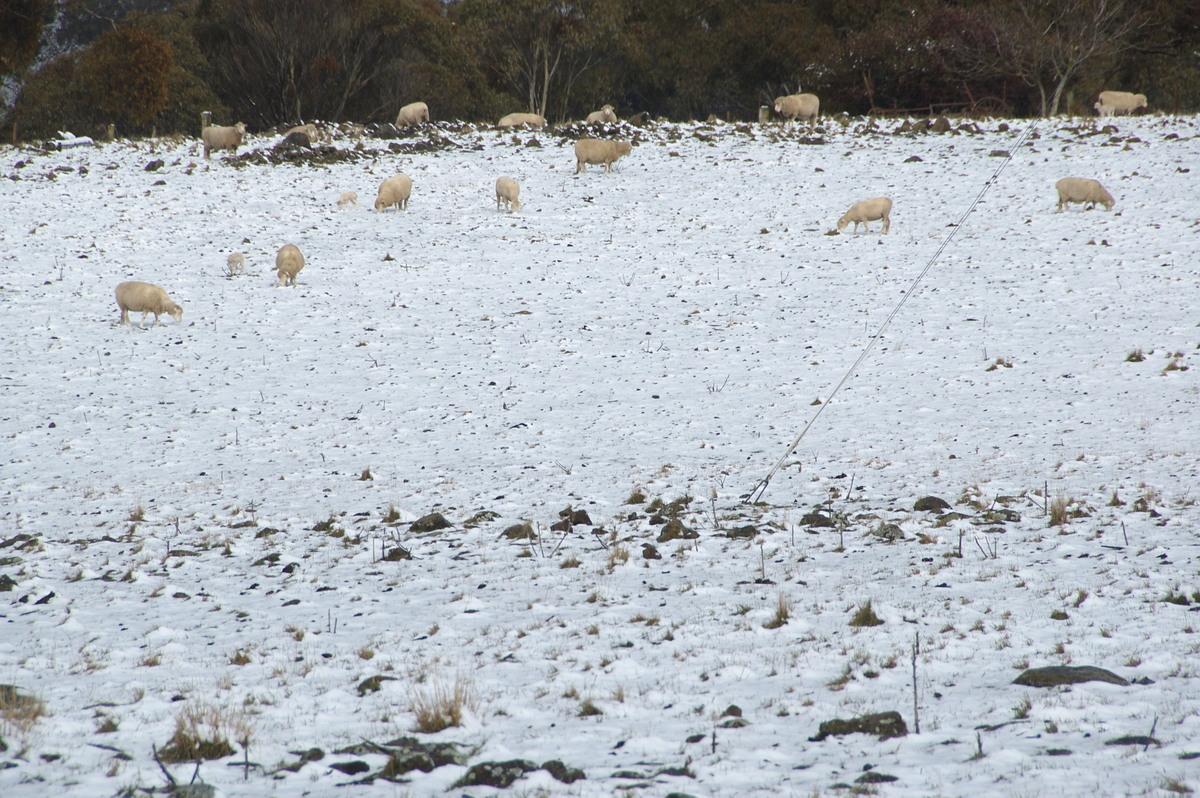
{"x": 1113, "y": 103}
{"x": 412, "y": 114}
{"x": 348, "y": 198}
{"x": 1082, "y": 189}
{"x": 309, "y": 130}
{"x": 516, "y": 120}
{"x": 394, "y": 191}
{"x": 798, "y": 106}
{"x": 599, "y": 151}
{"x": 605, "y": 114}
{"x": 288, "y": 263}
{"x": 235, "y": 264}
{"x": 220, "y": 137}
{"x": 147, "y": 298}
{"x": 866, "y": 212}
{"x": 507, "y": 193}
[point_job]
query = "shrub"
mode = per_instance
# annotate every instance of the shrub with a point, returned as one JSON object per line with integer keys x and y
{"x": 203, "y": 731}
{"x": 441, "y": 707}
{"x": 865, "y": 616}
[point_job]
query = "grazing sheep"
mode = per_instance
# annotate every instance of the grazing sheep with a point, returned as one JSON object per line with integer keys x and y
{"x": 516, "y": 120}
{"x": 221, "y": 137}
{"x": 1113, "y": 103}
{"x": 394, "y": 191}
{"x": 288, "y": 263}
{"x": 412, "y": 114}
{"x": 309, "y": 130}
{"x": 866, "y": 212}
{"x": 798, "y": 106}
{"x": 348, "y": 198}
{"x": 1082, "y": 189}
{"x": 147, "y": 298}
{"x": 599, "y": 151}
{"x": 605, "y": 114}
{"x": 507, "y": 193}
{"x": 235, "y": 264}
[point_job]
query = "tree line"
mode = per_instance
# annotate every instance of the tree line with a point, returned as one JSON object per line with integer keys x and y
{"x": 155, "y": 66}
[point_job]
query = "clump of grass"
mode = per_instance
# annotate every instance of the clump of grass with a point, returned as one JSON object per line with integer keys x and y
{"x": 1136, "y": 356}
{"x": 1000, "y": 362}
{"x": 1175, "y": 363}
{"x": 151, "y": 660}
{"x": 865, "y": 616}
{"x": 366, "y": 652}
{"x": 392, "y": 515}
{"x": 617, "y": 555}
{"x": 441, "y": 707}
{"x": 636, "y": 496}
{"x": 587, "y": 709}
{"x": 783, "y": 612}
{"x": 1177, "y": 786}
{"x": 1058, "y": 615}
{"x": 137, "y": 514}
{"x": 1115, "y": 501}
{"x": 19, "y": 711}
{"x": 570, "y": 562}
{"x": 203, "y": 731}
{"x": 240, "y": 657}
{"x": 1176, "y": 598}
{"x": 1058, "y": 510}
{"x": 366, "y": 475}
{"x": 297, "y": 633}
{"x": 1080, "y": 597}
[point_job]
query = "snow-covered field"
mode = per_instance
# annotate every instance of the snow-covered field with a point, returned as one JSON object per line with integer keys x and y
{"x": 193, "y": 517}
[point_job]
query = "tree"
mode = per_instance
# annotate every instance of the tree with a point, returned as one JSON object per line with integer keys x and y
{"x": 21, "y": 24}
{"x": 126, "y": 72}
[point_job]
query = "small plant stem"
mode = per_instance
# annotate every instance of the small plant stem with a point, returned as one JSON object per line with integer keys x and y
{"x": 916, "y": 710}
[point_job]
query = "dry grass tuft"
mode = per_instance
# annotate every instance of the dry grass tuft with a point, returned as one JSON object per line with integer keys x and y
{"x": 865, "y": 616}
{"x": 441, "y": 707}
{"x": 203, "y": 731}
{"x": 19, "y": 712}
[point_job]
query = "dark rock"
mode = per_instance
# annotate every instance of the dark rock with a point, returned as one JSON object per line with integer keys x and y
{"x": 816, "y": 518}
{"x": 371, "y": 684}
{"x": 873, "y": 777}
{"x": 563, "y": 773}
{"x": 732, "y": 711}
{"x": 998, "y": 154}
{"x": 914, "y": 159}
{"x": 7, "y": 583}
{"x": 649, "y": 552}
{"x": 481, "y": 517}
{"x": 495, "y": 774}
{"x": 297, "y": 139}
{"x": 430, "y": 523}
{"x": 519, "y": 532}
{"x": 940, "y": 125}
{"x": 577, "y": 517}
{"x": 352, "y": 768}
{"x": 406, "y": 762}
{"x": 1001, "y": 515}
{"x": 155, "y": 165}
{"x": 888, "y": 532}
{"x": 884, "y": 725}
{"x": 1064, "y": 674}
{"x": 1134, "y": 739}
{"x": 748, "y": 531}
{"x": 397, "y": 553}
{"x": 931, "y": 504}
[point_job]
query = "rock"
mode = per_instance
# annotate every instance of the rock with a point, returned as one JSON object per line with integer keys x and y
{"x": 675, "y": 530}
{"x": 396, "y": 554}
{"x": 199, "y": 790}
{"x": 7, "y": 583}
{"x": 495, "y": 774}
{"x": 1055, "y": 675}
{"x": 748, "y": 531}
{"x": 519, "y": 532}
{"x": 1134, "y": 739}
{"x": 931, "y": 504}
{"x": 816, "y": 518}
{"x": 430, "y": 523}
{"x": 940, "y": 125}
{"x": 481, "y": 517}
{"x": 914, "y": 159}
{"x": 297, "y": 139}
{"x": 155, "y": 165}
{"x": 998, "y": 154}
{"x": 872, "y": 777}
{"x": 888, "y": 532}
{"x": 732, "y": 711}
{"x": 352, "y": 768}
{"x": 649, "y": 552}
{"x": 371, "y": 684}
{"x": 577, "y": 517}
{"x": 884, "y": 725}
{"x": 563, "y": 773}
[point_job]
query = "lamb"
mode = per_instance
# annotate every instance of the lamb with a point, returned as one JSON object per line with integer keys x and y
{"x": 1113, "y": 103}
{"x": 288, "y": 263}
{"x": 147, "y": 298}
{"x": 866, "y": 212}
{"x": 394, "y": 191}
{"x": 798, "y": 106}
{"x": 348, "y": 198}
{"x": 1082, "y": 189}
{"x": 412, "y": 114}
{"x": 599, "y": 151}
{"x": 605, "y": 114}
{"x": 507, "y": 193}
{"x": 235, "y": 264}
{"x": 516, "y": 120}
{"x": 221, "y": 137}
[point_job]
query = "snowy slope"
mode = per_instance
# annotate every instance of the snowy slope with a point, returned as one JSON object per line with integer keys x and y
{"x": 665, "y": 328}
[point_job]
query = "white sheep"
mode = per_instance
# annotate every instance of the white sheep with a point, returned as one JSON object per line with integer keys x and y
{"x": 147, "y": 298}
{"x": 412, "y": 114}
{"x": 798, "y": 106}
{"x": 507, "y": 193}
{"x": 394, "y": 191}
{"x": 599, "y": 151}
{"x": 1082, "y": 189}
{"x": 866, "y": 212}
{"x": 605, "y": 114}
{"x": 235, "y": 264}
{"x": 348, "y": 198}
{"x": 516, "y": 120}
{"x": 222, "y": 137}
{"x": 288, "y": 263}
{"x": 309, "y": 130}
{"x": 1112, "y": 103}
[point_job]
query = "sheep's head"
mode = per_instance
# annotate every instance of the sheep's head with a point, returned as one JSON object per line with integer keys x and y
{"x": 241, "y": 128}
{"x": 175, "y": 312}
{"x": 624, "y": 148}
{"x": 1141, "y": 100}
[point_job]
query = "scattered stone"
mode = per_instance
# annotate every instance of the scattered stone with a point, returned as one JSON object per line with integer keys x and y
{"x": 650, "y": 552}
{"x": 1059, "y": 752}
{"x": 519, "y": 532}
{"x": 564, "y": 773}
{"x": 1056, "y": 675}
{"x": 884, "y": 725}
{"x": 733, "y": 723}
{"x": 888, "y": 532}
{"x": 371, "y": 684}
{"x": 481, "y": 517}
{"x": 297, "y": 139}
{"x": 352, "y": 768}
{"x": 198, "y": 790}
{"x": 998, "y": 154}
{"x": 1001, "y": 515}
{"x": 1134, "y": 739}
{"x": 732, "y": 711}
{"x": 931, "y": 504}
{"x": 674, "y": 529}
{"x": 396, "y": 554}
{"x": 495, "y": 774}
{"x": 914, "y": 159}
{"x": 940, "y": 125}
{"x": 816, "y": 518}
{"x": 873, "y": 777}
{"x": 155, "y": 165}
{"x": 576, "y": 517}
{"x": 7, "y": 583}
{"x": 748, "y": 531}
{"x": 430, "y": 523}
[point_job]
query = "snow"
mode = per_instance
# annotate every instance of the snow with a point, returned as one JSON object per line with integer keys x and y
{"x": 665, "y": 328}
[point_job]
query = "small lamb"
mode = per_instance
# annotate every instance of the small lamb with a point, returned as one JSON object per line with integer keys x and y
{"x": 235, "y": 264}
{"x": 348, "y": 198}
{"x": 867, "y": 211}
{"x": 1084, "y": 190}
{"x": 147, "y": 298}
{"x": 507, "y": 193}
